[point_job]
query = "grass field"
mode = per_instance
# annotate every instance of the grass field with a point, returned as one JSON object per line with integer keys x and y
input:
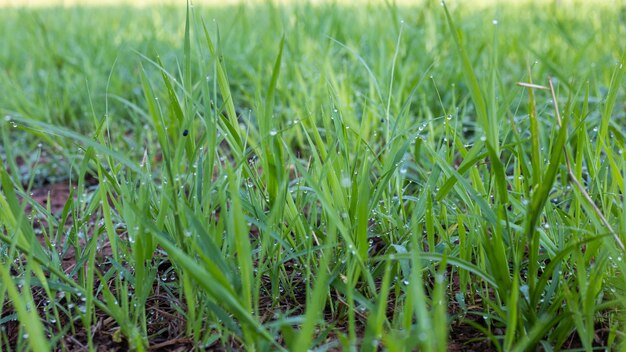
{"x": 313, "y": 177}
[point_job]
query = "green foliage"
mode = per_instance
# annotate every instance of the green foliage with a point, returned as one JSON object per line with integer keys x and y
{"x": 314, "y": 176}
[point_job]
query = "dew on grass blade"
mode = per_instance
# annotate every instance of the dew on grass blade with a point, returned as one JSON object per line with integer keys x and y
{"x": 346, "y": 181}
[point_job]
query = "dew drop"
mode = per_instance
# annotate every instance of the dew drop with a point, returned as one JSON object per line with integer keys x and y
{"x": 346, "y": 181}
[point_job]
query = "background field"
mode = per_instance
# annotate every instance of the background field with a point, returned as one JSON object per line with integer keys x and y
{"x": 293, "y": 176}
{"x": 142, "y": 3}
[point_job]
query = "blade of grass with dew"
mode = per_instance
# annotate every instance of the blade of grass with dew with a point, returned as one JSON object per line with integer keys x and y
{"x": 487, "y": 122}
{"x": 440, "y": 307}
{"x": 376, "y": 320}
{"x": 218, "y": 290}
{"x": 270, "y": 142}
{"x": 540, "y": 197}
{"x": 121, "y": 316}
{"x": 534, "y": 136}
{"x": 187, "y": 85}
{"x": 154, "y": 113}
{"x": 496, "y": 250}
{"x": 512, "y": 314}
{"x": 239, "y": 229}
{"x": 316, "y": 299}
{"x": 417, "y": 296}
{"x": 178, "y": 120}
{"x": 616, "y": 81}
{"x": 222, "y": 79}
{"x": 14, "y": 219}
{"x": 209, "y": 252}
{"x": 470, "y": 160}
{"x": 27, "y": 314}
{"x": 54, "y": 270}
{"x": 37, "y": 128}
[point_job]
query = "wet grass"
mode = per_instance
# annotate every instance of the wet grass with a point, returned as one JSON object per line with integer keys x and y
{"x": 325, "y": 177}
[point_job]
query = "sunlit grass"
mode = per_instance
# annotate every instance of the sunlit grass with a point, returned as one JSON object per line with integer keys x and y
{"x": 143, "y": 3}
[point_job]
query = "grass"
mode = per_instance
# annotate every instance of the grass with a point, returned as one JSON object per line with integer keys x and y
{"x": 327, "y": 177}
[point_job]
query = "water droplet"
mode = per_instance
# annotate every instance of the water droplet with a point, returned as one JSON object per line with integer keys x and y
{"x": 273, "y": 132}
{"x": 346, "y": 181}
{"x": 495, "y": 22}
